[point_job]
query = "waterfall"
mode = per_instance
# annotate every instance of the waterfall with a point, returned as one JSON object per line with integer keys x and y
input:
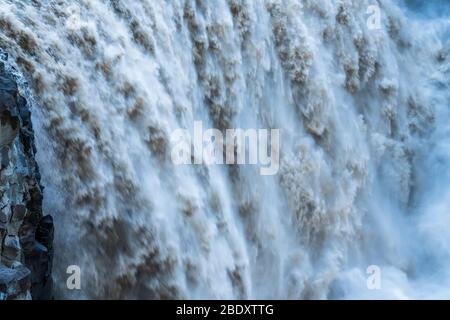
{"x": 363, "y": 117}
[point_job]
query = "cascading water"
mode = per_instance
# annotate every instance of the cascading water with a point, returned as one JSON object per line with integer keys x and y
{"x": 362, "y": 112}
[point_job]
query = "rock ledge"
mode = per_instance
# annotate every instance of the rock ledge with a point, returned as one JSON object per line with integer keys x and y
{"x": 26, "y": 235}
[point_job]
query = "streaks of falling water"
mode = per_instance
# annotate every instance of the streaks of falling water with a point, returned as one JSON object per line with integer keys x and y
{"x": 112, "y": 79}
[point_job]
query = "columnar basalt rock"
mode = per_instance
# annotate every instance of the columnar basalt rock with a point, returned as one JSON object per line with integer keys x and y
{"x": 26, "y": 235}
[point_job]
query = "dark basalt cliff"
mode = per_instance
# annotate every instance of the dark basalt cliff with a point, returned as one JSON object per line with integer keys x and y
{"x": 26, "y": 234}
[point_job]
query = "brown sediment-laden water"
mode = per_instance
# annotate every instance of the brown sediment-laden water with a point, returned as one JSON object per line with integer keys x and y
{"x": 358, "y": 90}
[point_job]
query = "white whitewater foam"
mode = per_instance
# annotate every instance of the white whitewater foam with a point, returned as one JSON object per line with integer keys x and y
{"x": 363, "y": 177}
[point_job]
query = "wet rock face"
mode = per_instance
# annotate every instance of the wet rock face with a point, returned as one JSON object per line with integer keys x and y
{"x": 26, "y": 235}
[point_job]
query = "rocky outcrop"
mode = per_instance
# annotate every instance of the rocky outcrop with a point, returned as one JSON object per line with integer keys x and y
{"x": 26, "y": 235}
